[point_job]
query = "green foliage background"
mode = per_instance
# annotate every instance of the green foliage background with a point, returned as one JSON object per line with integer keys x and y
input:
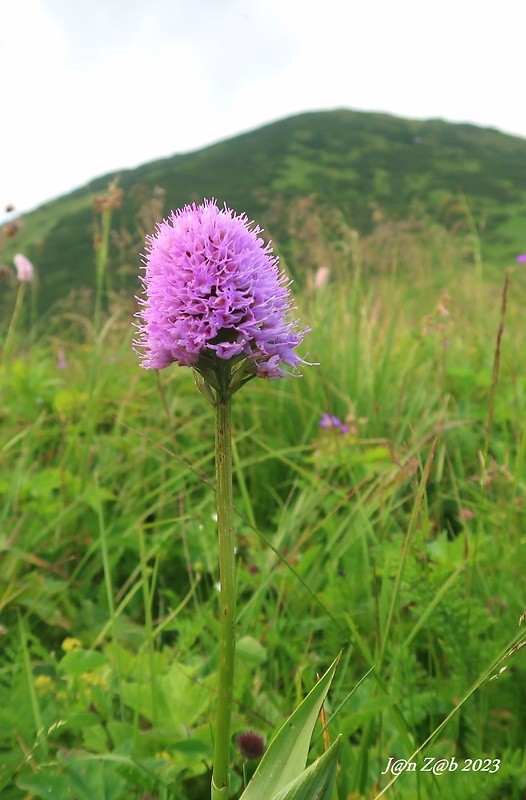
{"x": 400, "y": 542}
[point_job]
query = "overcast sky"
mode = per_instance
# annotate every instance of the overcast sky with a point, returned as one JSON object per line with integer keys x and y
{"x": 90, "y": 86}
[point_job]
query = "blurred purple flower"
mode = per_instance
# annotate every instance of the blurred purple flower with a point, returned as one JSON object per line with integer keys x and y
{"x": 521, "y": 259}
{"x": 61, "y": 360}
{"x": 329, "y": 422}
{"x": 24, "y": 268}
{"x": 213, "y": 289}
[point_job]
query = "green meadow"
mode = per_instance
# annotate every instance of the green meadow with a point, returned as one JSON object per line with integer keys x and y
{"x": 397, "y": 541}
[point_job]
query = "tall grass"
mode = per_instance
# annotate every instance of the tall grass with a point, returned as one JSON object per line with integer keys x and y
{"x": 399, "y": 542}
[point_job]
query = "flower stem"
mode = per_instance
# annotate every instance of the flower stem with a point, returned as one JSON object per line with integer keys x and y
{"x": 227, "y": 598}
{"x": 102, "y": 245}
{"x": 12, "y": 325}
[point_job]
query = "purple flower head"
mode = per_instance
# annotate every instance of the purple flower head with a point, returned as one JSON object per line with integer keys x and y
{"x": 214, "y": 291}
{"x": 328, "y": 421}
{"x": 521, "y": 259}
{"x": 333, "y": 423}
{"x": 251, "y": 745}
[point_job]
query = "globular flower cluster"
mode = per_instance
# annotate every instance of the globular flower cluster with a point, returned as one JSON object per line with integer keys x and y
{"x": 212, "y": 286}
{"x": 251, "y": 745}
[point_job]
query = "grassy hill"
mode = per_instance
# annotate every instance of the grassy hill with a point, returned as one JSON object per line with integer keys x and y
{"x": 380, "y": 500}
{"x": 351, "y": 161}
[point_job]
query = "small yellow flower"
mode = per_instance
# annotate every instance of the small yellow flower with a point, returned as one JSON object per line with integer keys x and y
{"x": 70, "y": 644}
{"x": 94, "y": 679}
{"x": 44, "y": 685}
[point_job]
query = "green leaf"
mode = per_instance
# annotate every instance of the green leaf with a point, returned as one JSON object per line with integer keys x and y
{"x": 249, "y": 649}
{"x": 45, "y": 784}
{"x": 373, "y": 454}
{"x": 314, "y": 783}
{"x": 286, "y": 756}
{"x": 193, "y": 747}
{"x": 84, "y": 781}
{"x": 80, "y": 661}
{"x": 181, "y": 701}
{"x": 84, "y": 719}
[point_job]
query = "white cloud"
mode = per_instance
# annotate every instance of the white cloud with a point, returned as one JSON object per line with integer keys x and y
{"x": 96, "y": 85}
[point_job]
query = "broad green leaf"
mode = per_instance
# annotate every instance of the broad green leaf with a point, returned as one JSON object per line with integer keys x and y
{"x": 45, "y": 784}
{"x": 84, "y": 781}
{"x": 193, "y": 747}
{"x": 180, "y": 701}
{"x": 83, "y": 719}
{"x": 286, "y": 756}
{"x": 369, "y": 709}
{"x": 317, "y": 780}
{"x": 80, "y": 661}
{"x": 249, "y": 649}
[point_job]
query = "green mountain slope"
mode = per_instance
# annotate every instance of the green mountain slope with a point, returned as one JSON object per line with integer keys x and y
{"x": 348, "y": 160}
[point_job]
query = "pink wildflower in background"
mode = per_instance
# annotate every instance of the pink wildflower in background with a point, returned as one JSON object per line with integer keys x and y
{"x": 213, "y": 288}
{"x": 321, "y": 278}
{"x": 61, "y": 360}
{"x": 521, "y": 259}
{"x": 24, "y": 268}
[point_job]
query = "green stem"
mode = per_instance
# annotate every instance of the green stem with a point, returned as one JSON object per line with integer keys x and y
{"x": 227, "y": 598}
{"x": 102, "y": 249}
{"x": 12, "y": 325}
{"x": 37, "y": 716}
